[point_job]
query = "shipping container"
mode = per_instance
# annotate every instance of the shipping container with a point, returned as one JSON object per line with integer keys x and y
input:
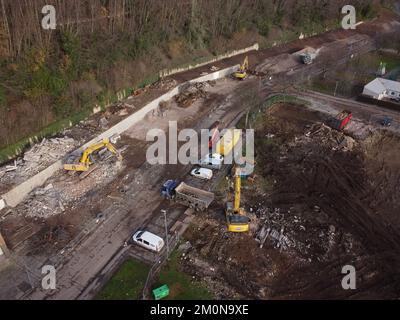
{"x": 340, "y": 121}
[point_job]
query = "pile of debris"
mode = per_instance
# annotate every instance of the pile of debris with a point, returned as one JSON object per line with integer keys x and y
{"x": 37, "y": 158}
{"x": 47, "y": 152}
{"x": 164, "y": 84}
{"x": 44, "y": 203}
{"x": 191, "y": 94}
{"x": 328, "y": 136}
{"x": 272, "y": 223}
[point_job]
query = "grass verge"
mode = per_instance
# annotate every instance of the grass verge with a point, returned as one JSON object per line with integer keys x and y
{"x": 181, "y": 286}
{"x": 127, "y": 283}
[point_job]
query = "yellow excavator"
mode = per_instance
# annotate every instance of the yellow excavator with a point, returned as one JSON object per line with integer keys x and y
{"x": 242, "y": 72}
{"x": 85, "y": 157}
{"x": 235, "y": 216}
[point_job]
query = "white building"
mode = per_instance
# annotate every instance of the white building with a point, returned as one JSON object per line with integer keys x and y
{"x": 382, "y": 88}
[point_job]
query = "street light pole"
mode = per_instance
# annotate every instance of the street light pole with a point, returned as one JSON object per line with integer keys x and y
{"x": 164, "y": 212}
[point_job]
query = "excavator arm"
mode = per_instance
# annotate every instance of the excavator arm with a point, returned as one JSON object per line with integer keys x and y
{"x": 235, "y": 216}
{"x": 85, "y": 161}
{"x": 236, "y": 202}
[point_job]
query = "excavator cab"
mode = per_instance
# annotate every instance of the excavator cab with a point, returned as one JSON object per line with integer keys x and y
{"x": 237, "y": 222}
{"x": 85, "y": 157}
{"x": 241, "y": 74}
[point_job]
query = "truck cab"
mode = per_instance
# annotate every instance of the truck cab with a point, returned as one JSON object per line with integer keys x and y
{"x": 168, "y": 188}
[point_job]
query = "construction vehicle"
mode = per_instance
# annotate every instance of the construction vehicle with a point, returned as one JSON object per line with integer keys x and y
{"x": 85, "y": 157}
{"x": 340, "y": 121}
{"x": 235, "y": 215}
{"x": 189, "y": 196}
{"x": 241, "y": 74}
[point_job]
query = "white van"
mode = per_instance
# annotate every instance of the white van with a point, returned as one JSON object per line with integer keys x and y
{"x": 202, "y": 173}
{"x": 148, "y": 240}
{"x": 212, "y": 161}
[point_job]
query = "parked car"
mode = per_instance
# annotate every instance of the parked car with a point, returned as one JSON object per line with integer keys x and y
{"x": 148, "y": 240}
{"x": 202, "y": 173}
{"x": 212, "y": 161}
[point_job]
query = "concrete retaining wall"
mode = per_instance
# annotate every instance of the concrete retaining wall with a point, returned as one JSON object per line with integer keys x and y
{"x": 18, "y": 193}
{"x": 168, "y": 72}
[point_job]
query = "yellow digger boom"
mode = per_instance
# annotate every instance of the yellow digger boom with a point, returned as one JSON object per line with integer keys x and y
{"x": 236, "y": 218}
{"x": 85, "y": 162}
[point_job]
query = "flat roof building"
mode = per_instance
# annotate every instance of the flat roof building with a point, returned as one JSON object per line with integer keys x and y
{"x": 382, "y": 88}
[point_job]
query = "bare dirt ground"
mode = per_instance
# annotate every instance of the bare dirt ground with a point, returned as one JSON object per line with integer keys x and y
{"x": 335, "y": 203}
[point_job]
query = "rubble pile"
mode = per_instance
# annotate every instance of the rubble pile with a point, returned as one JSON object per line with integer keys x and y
{"x": 164, "y": 84}
{"x": 191, "y": 94}
{"x": 328, "y": 136}
{"x": 47, "y": 152}
{"x": 37, "y": 158}
{"x": 272, "y": 225}
{"x": 64, "y": 193}
{"x": 44, "y": 202}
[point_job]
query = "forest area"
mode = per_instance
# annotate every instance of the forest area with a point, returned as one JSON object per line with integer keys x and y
{"x": 102, "y": 46}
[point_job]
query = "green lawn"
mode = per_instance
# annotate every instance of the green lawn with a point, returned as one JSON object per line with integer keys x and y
{"x": 181, "y": 286}
{"x": 127, "y": 283}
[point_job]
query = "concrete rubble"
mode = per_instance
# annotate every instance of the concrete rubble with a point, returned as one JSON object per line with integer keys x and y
{"x": 37, "y": 158}
{"x": 272, "y": 228}
{"x": 45, "y": 202}
{"x": 64, "y": 191}
{"x": 195, "y": 91}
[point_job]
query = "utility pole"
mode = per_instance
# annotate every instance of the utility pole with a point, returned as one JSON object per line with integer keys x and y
{"x": 164, "y": 212}
{"x": 337, "y": 84}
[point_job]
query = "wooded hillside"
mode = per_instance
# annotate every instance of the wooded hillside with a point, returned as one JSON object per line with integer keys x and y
{"x": 102, "y": 46}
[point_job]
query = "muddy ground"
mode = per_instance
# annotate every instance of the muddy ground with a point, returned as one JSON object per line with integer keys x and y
{"x": 333, "y": 201}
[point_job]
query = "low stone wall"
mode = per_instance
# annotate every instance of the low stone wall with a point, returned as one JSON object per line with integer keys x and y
{"x": 18, "y": 193}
